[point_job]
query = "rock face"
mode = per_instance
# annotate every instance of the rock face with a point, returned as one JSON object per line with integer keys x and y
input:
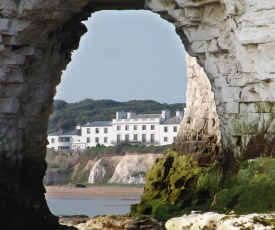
{"x": 128, "y": 169}
{"x": 176, "y": 184}
{"x": 233, "y": 40}
{"x": 104, "y": 168}
{"x": 132, "y": 168}
{"x": 199, "y": 134}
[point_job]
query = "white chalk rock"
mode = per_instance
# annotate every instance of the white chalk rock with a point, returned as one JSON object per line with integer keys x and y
{"x": 132, "y": 168}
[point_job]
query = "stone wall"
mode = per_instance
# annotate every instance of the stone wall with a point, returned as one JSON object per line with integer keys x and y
{"x": 233, "y": 40}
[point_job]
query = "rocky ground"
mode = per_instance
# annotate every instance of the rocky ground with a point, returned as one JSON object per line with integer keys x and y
{"x": 113, "y": 222}
{"x": 215, "y": 221}
{"x": 193, "y": 221}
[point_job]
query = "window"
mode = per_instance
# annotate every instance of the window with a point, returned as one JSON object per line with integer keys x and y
{"x": 174, "y": 138}
{"x": 143, "y": 137}
{"x": 88, "y": 140}
{"x": 165, "y": 129}
{"x": 52, "y": 140}
{"x": 135, "y": 127}
{"x": 63, "y": 139}
{"x": 105, "y": 139}
{"x": 105, "y": 130}
{"x": 135, "y": 137}
{"x": 118, "y": 138}
{"x": 96, "y": 140}
{"x": 126, "y": 127}
{"x": 127, "y": 138}
{"x": 63, "y": 147}
{"x": 143, "y": 127}
{"x": 152, "y": 127}
{"x": 96, "y": 130}
{"x": 175, "y": 129}
{"x": 165, "y": 139}
{"x": 118, "y": 128}
{"x": 88, "y": 130}
{"x": 152, "y": 137}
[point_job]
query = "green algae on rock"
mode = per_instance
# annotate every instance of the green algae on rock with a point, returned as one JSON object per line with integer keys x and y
{"x": 176, "y": 184}
{"x": 252, "y": 188}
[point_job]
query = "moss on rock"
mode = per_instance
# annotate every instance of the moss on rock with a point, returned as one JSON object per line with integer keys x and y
{"x": 252, "y": 190}
{"x": 176, "y": 185}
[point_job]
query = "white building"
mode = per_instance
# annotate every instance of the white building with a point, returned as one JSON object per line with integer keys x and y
{"x": 128, "y": 127}
{"x": 98, "y": 132}
{"x": 169, "y": 129}
{"x": 65, "y": 139}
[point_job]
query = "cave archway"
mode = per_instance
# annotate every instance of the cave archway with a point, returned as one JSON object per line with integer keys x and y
{"x": 36, "y": 44}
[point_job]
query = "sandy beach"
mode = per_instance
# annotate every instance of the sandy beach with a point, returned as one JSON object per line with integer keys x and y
{"x": 94, "y": 191}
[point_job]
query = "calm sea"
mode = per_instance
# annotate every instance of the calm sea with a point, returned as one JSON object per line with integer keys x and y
{"x": 90, "y": 206}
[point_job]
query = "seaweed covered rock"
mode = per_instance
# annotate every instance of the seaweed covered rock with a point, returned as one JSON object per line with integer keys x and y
{"x": 251, "y": 190}
{"x": 176, "y": 184}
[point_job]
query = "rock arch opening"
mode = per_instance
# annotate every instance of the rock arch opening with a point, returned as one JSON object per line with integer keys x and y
{"x": 36, "y": 44}
{"x": 129, "y": 55}
{"x": 36, "y": 48}
{"x": 200, "y": 134}
{"x": 146, "y": 68}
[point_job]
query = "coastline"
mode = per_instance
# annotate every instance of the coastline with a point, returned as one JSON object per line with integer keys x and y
{"x": 94, "y": 191}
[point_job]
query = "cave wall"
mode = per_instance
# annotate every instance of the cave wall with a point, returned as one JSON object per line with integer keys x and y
{"x": 233, "y": 40}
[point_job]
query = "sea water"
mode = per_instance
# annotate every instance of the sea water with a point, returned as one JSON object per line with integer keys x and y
{"x": 90, "y": 206}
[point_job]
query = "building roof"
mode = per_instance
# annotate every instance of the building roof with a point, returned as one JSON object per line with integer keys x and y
{"x": 146, "y": 116}
{"x": 173, "y": 121}
{"x": 65, "y": 132}
{"x": 99, "y": 124}
{"x": 74, "y": 132}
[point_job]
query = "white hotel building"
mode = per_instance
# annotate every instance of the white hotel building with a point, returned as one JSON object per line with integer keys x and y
{"x": 128, "y": 127}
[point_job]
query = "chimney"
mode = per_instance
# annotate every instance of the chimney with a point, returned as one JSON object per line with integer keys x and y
{"x": 179, "y": 115}
{"x": 165, "y": 114}
{"x": 121, "y": 115}
{"x": 131, "y": 114}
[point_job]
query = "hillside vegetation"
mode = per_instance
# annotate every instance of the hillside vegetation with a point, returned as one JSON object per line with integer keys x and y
{"x": 68, "y": 115}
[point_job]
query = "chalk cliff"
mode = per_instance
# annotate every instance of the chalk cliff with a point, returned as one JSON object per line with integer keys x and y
{"x": 104, "y": 169}
{"x": 132, "y": 168}
{"x": 128, "y": 169}
{"x": 199, "y": 134}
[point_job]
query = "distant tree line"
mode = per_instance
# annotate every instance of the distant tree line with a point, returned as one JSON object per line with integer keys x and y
{"x": 68, "y": 115}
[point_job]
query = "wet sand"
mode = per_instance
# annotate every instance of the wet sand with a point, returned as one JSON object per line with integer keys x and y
{"x": 93, "y": 191}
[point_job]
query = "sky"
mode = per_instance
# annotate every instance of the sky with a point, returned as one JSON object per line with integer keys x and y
{"x": 126, "y": 55}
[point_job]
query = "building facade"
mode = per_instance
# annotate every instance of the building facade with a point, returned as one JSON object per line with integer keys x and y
{"x": 127, "y": 127}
